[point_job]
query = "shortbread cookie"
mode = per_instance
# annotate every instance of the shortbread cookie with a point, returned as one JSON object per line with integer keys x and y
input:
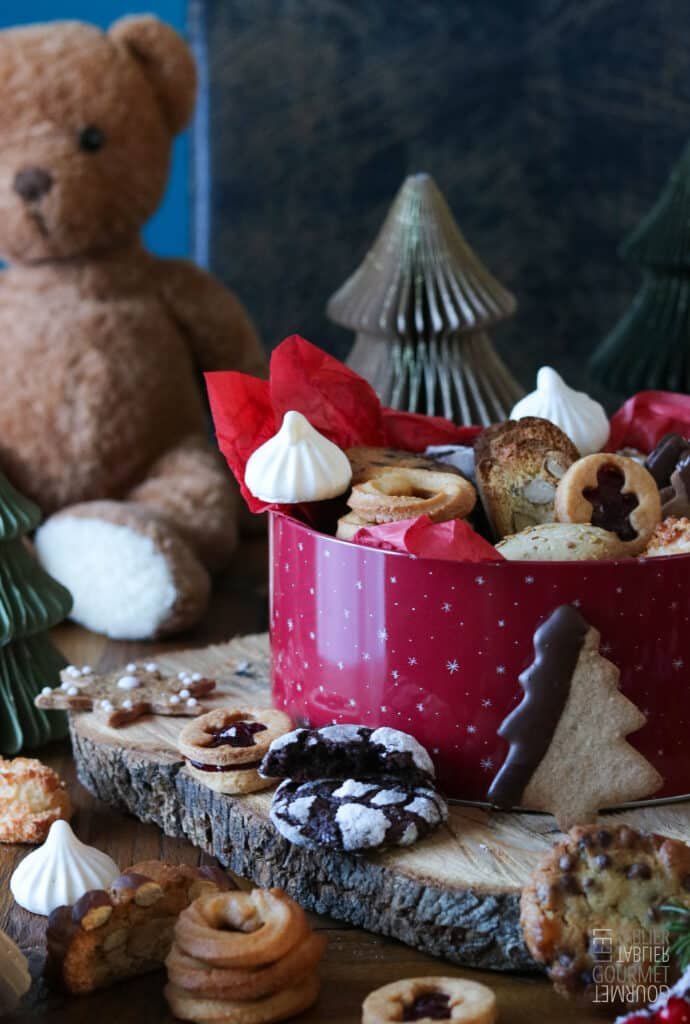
{"x": 562, "y": 542}
{"x": 609, "y": 878}
{"x": 128, "y": 930}
{"x": 398, "y": 494}
{"x": 32, "y": 797}
{"x": 225, "y": 747}
{"x": 455, "y": 1000}
{"x": 671, "y": 537}
{"x": 123, "y": 696}
{"x": 347, "y": 751}
{"x": 518, "y": 467}
{"x": 289, "y": 1002}
{"x": 568, "y": 751}
{"x": 613, "y": 493}
{"x": 368, "y": 463}
{"x": 354, "y": 815}
{"x": 664, "y": 459}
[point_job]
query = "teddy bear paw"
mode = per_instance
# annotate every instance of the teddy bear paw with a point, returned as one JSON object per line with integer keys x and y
{"x": 131, "y": 576}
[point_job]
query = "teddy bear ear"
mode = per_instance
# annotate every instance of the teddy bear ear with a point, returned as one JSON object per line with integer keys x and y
{"x": 166, "y": 61}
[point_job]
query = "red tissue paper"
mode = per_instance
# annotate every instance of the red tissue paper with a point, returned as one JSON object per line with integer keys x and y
{"x": 454, "y": 540}
{"x": 337, "y": 402}
{"x": 644, "y": 419}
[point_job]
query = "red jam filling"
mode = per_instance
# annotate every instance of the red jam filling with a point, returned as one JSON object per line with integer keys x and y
{"x": 431, "y": 1005}
{"x": 244, "y": 766}
{"x": 237, "y": 734}
{"x": 610, "y": 507}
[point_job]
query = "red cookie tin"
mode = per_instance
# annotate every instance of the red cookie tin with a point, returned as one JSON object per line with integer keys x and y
{"x": 436, "y": 647}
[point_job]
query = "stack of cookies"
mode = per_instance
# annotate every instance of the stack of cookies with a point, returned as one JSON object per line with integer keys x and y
{"x": 352, "y": 788}
{"x": 243, "y": 956}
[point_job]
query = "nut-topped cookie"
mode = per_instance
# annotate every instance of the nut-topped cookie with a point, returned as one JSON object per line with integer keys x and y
{"x": 600, "y": 877}
{"x": 225, "y": 747}
{"x": 127, "y": 694}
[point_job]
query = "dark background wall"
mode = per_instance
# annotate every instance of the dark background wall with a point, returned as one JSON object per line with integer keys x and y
{"x": 550, "y": 125}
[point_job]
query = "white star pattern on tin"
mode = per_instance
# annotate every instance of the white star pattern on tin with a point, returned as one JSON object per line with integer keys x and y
{"x": 393, "y": 579}
{"x": 346, "y": 613}
{"x": 501, "y": 623}
{"x": 577, "y": 602}
{"x": 677, "y": 663}
{"x": 358, "y": 584}
{"x": 312, "y": 591}
{"x": 366, "y": 657}
{"x": 300, "y": 546}
{"x": 352, "y": 702}
{"x": 487, "y": 702}
{"x": 395, "y": 674}
{"x": 486, "y": 764}
{"x": 286, "y": 566}
{"x": 306, "y": 664}
{"x": 446, "y": 607}
{"x": 471, "y": 728}
{"x": 529, "y": 579}
{"x": 384, "y": 708}
{"x": 411, "y": 661}
{"x": 326, "y": 554}
{"x": 382, "y": 634}
{"x": 312, "y": 634}
{"x": 501, "y": 670}
{"x": 341, "y": 665}
{"x": 290, "y": 625}
{"x": 453, "y": 666}
{"x": 420, "y": 706}
{"x": 480, "y": 581}
{"x": 298, "y": 687}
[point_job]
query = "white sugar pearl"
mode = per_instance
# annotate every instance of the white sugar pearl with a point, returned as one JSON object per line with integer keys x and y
{"x": 86, "y": 670}
{"x": 181, "y": 675}
{"x": 174, "y": 699}
{"x": 72, "y": 691}
{"x": 132, "y": 667}
{"x": 73, "y": 671}
{"x": 128, "y": 682}
{"x": 151, "y": 666}
{"x": 106, "y": 705}
{"x": 184, "y": 694}
{"x": 127, "y": 705}
{"x": 197, "y": 677}
{"x": 65, "y": 686}
{"x": 192, "y": 702}
{"x": 46, "y": 691}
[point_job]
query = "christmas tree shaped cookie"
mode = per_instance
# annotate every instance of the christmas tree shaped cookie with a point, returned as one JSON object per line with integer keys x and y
{"x": 568, "y": 752}
{"x": 31, "y": 603}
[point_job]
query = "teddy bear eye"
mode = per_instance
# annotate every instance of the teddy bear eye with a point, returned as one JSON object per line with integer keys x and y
{"x": 91, "y": 138}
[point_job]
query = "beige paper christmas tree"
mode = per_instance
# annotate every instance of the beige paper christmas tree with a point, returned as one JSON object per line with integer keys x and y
{"x": 420, "y": 305}
{"x": 568, "y": 750}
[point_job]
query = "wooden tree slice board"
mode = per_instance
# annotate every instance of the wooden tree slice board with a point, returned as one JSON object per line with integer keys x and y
{"x": 455, "y": 894}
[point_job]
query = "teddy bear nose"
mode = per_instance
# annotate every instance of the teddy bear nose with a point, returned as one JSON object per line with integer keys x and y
{"x": 32, "y": 182}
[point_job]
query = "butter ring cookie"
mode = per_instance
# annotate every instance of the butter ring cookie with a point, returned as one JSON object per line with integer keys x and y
{"x": 406, "y": 493}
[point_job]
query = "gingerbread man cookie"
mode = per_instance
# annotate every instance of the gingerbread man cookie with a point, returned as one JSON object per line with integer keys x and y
{"x": 123, "y": 696}
{"x": 613, "y": 493}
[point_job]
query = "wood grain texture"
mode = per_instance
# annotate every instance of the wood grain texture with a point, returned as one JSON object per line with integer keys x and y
{"x": 549, "y": 126}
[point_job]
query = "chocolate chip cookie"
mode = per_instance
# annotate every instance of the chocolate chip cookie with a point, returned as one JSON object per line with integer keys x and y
{"x": 356, "y": 814}
{"x": 611, "y": 878}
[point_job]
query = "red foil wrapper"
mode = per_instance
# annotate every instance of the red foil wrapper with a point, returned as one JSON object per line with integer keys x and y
{"x": 646, "y": 417}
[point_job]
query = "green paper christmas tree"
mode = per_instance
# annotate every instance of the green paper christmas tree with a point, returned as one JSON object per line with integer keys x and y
{"x": 650, "y": 347}
{"x": 31, "y": 603}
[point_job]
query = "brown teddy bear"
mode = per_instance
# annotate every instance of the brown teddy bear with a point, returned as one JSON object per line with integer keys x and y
{"x": 102, "y": 419}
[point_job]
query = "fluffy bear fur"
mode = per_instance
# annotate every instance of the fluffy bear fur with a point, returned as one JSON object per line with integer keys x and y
{"x": 102, "y": 420}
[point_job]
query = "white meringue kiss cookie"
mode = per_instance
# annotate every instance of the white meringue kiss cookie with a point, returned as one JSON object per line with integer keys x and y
{"x": 60, "y": 872}
{"x": 579, "y": 416}
{"x": 15, "y": 979}
{"x": 297, "y": 464}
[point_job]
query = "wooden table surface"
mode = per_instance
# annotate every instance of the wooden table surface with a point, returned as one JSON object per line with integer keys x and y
{"x": 356, "y": 962}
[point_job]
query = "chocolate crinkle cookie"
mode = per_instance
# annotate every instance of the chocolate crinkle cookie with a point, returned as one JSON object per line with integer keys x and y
{"x": 347, "y": 751}
{"x": 602, "y": 881}
{"x": 356, "y": 814}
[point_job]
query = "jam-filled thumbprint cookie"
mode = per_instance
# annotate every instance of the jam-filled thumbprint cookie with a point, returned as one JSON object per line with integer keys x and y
{"x": 455, "y": 1000}
{"x": 224, "y": 748}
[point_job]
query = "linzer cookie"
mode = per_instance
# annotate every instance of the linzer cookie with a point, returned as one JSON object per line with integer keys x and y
{"x": 518, "y": 467}
{"x": 123, "y": 696}
{"x": 225, "y": 747}
{"x": 568, "y": 754}
{"x": 354, "y": 814}
{"x": 611, "y": 879}
{"x": 427, "y": 999}
{"x": 613, "y": 493}
{"x": 347, "y": 751}
{"x": 127, "y": 930}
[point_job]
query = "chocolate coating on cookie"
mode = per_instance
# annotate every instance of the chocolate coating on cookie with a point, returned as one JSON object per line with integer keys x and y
{"x": 664, "y": 459}
{"x": 611, "y": 508}
{"x": 675, "y": 499}
{"x": 530, "y": 727}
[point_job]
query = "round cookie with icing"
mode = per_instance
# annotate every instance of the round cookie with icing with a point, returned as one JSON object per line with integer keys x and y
{"x": 613, "y": 493}
{"x": 347, "y": 751}
{"x": 224, "y": 748}
{"x": 354, "y": 814}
